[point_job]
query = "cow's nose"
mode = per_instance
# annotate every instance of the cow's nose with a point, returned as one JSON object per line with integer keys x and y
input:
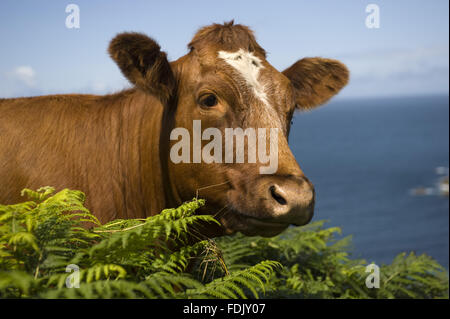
{"x": 278, "y": 194}
{"x": 292, "y": 200}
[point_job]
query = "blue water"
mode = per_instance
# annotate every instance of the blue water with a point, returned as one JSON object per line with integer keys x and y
{"x": 364, "y": 157}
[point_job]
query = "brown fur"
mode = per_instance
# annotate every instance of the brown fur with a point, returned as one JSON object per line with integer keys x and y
{"x": 228, "y": 36}
{"x": 316, "y": 80}
{"x": 97, "y": 144}
{"x": 142, "y": 62}
{"x": 115, "y": 148}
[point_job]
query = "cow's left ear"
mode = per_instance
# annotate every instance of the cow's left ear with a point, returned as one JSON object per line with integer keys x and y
{"x": 143, "y": 63}
{"x": 316, "y": 80}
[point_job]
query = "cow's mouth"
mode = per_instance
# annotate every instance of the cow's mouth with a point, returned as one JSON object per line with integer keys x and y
{"x": 257, "y": 219}
{"x": 266, "y": 205}
{"x": 235, "y": 221}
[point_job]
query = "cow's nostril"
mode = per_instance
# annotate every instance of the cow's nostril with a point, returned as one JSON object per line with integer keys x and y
{"x": 276, "y": 195}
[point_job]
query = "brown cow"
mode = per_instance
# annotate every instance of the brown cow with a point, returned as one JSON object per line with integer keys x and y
{"x": 116, "y": 147}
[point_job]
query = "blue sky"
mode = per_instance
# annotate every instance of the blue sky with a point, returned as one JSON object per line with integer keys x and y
{"x": 407, "y": 55}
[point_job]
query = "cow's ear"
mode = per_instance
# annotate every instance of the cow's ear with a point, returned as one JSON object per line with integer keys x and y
{"x": 143, "y": 63}
{"x": 316, "y": 80}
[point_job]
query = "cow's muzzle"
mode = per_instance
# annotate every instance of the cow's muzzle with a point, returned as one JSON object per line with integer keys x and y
{"x": 290, "y": 200}
{"x": 270, "y": 203}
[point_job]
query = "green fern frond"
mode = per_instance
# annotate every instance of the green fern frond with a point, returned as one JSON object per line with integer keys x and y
{"x": 230, "y": 286}
{"x": 155, "y": 257}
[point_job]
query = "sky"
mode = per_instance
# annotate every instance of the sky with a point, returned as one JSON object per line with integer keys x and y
{"x": 407, "y": 55}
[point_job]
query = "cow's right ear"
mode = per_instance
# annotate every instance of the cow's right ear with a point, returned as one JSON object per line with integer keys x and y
{"x": 143, "y": 63}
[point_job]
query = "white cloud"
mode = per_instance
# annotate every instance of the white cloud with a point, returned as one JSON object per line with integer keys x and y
{"x": 25, "y": 74}
{"x": 423, "y": 70}
{"x": 99, "y": 87}
{"x": 392, "y": 63}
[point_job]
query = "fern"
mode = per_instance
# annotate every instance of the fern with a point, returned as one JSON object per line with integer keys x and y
{"x": 137, "y": 258}
{"x": 155, "y": 257}
{"x": 230, "y": 286}
{"x": 317, "y": 265}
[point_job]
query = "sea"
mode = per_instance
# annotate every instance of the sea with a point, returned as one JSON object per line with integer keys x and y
{"x": 375, "y": 164}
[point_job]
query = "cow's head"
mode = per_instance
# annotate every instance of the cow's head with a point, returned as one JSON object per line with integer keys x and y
{"x": 226, "y": 82}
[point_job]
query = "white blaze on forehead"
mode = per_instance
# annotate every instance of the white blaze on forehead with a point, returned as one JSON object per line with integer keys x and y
{"x": 248, "y": 65}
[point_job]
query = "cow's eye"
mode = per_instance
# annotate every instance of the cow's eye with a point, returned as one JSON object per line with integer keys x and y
{"x": 208, "y": 100}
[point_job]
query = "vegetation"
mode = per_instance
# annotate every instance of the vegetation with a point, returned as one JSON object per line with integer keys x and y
{"x": 45, "y": 247}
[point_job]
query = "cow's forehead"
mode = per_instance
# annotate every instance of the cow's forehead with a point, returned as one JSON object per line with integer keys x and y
{"x": 249, "y": 67}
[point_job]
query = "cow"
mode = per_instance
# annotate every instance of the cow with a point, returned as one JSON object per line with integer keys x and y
{"x": 116, "y": 147}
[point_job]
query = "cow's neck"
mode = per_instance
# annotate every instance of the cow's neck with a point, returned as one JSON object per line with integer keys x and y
{"x": 139, "y": 166}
